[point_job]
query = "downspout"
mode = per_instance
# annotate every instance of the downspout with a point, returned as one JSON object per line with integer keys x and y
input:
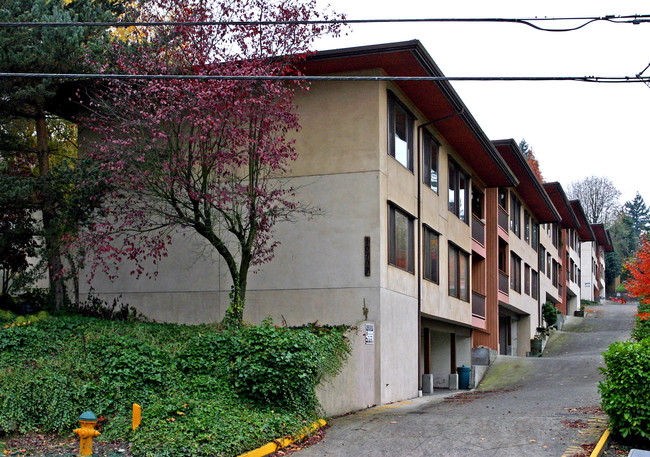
{"x": 419, "y": 237}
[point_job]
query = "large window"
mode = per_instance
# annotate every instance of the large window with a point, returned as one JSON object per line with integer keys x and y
{"x": 526, "y": 226}
{"x": 515, "y": 215}
{"x": 503, "y": 198}
{"x": 400, "y": 132}
{"x": 534, "y": 281}
{"x": 534, "y": 234}
{"x": 527, "y": 279}
{"x": 431, "y": 251}
{"x": 430, "y": 162}
{"x": 400, "y": 239}
{"x": 458, "y": 273}
{"x": 458, "y": 192}
{"x": 542, "y": 258}
{"x": 515, "y": 272}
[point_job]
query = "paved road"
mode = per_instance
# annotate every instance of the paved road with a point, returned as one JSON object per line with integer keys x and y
{"x": 524, "y": 407}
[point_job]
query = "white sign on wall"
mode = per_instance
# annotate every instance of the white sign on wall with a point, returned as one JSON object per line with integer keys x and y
{"x": 370, "y": 333}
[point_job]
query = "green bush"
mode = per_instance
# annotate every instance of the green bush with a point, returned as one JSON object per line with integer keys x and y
{"x": 625, "y": 390}
{"x": 549, "y": 313}
{"x": 204, "y": 391}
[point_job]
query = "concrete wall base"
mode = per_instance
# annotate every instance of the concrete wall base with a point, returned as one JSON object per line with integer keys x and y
{"x": 427, "y": 383}
{"x": 453, "y": 382}
{"x": 476, "y": 375}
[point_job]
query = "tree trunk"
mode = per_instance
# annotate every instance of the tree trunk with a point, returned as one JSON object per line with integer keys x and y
{"x": 53, "y": 255}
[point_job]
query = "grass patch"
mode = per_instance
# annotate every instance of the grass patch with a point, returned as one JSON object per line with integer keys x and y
{"x": 204, "y": 391}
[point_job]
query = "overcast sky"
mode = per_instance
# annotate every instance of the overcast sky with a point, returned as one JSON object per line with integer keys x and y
{"x": 576, "y": 129}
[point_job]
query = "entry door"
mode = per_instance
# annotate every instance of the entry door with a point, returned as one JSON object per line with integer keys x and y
{"x": 505, "y": 337}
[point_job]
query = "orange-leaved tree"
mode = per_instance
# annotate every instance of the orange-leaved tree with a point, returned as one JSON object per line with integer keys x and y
{"x": 638, "y": 284}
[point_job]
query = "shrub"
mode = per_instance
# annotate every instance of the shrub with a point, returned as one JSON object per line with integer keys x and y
{"x": 625, "y": 390}
{"x": 204, "y": 391}
{"x": 94, "y": 306}
{"x": 549, "y": 313}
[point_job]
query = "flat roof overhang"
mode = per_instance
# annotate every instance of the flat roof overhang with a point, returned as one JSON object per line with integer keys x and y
{"x": 584, "y": 231}
{"x": 603, "y": 237}
{"x": 530, "y": 188}
{"x": 437, "y": 100}
{"x": 561, "y": 203}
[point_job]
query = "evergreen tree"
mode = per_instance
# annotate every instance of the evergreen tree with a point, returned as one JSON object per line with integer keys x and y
{"x": 28, "y": 104}
{"x": 637, "y": 210}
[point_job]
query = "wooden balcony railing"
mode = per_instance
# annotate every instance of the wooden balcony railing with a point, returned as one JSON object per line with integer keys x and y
{"x": 503, "y": 219}
{"x": 504, "y": 282}
{"x": 478, "y": 304}
{"x": 478, "y": 230}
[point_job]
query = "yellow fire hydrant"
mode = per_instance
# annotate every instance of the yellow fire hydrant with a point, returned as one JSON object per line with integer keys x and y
{"x": 87, "y": 432}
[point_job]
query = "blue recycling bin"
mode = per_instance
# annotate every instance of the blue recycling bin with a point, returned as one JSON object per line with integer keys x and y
{"x": 463, "y": 377}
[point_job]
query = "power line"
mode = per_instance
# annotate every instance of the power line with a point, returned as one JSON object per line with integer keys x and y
{"x": 620, "y": 19}
{"x": 592, "y": 79}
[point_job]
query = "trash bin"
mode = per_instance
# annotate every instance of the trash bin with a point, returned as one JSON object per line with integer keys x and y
{"x": 463, "y": 377}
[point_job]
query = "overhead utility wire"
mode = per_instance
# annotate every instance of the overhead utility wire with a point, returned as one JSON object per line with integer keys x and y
{"x": 624, "y": 19}
{"x": 595, "y": 79}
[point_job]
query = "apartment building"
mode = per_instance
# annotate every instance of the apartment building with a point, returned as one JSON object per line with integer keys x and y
{"x": 400, "y": 171}
{"x": 576, "y": 237}
{"x": 557, "y": 251}
{"x": 593, "y": 263}
{"x": 513, "y": 227}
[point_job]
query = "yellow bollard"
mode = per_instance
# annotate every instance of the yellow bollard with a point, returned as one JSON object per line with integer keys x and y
{"x": 137, "y": 415}
{"x": 87, "y": 432}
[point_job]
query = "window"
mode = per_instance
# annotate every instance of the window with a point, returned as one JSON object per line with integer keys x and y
{"x": 555, "y": 273}
{"x": 515, "y": 272}
{"x": 542, "y": 258}
{"x": 503, "y": 198}
{"x": 400, "y": 132}
{"x": 534, "y": 235}
{"x": 458, "y": 192}
{"x": 548, "y": 265}
{"x": 477, "y": 202}
{"x": 554, "y": 233}
{"x": 526, "y": 226}
{"x": 458, "y": 273}
{"x": 430, "y": 161}
{"x": 515, "y": 215}
{"x": 527, "y": 279}
{"x": 534, "y": 282}
{"x": 400, "y": 239}
{"x": 431, "y": 248}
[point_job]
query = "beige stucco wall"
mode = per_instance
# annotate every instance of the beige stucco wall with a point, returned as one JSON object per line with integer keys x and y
{"x": 546, "y": 287}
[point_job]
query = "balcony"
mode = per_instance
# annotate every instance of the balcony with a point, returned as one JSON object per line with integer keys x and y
{"x": 504, "y": 282}
{"x": 478, "y": 304}
{"x": 478, "y": 230}
{"x": 503, "y": 219}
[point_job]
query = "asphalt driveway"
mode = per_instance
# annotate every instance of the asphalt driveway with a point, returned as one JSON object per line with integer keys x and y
{"x": 525, "y": 406}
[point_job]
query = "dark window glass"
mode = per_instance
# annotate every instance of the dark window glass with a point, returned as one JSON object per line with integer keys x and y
{"x": 515, "y": 215}
{"x": 503, "y": 198}
{"x": 526, "y": 226}
{"x": 400, "y": 132}
{"x": 527, "y": 279}
{"x": 430, "y": 162}
{"x": 458, "y": 273}
{"x": 431, "y": 252}
{"x": 515, "y": 272}
{"x": 400, "y": 239}
{"x": 458, "y": 192}
{"x": 534, "y": 280}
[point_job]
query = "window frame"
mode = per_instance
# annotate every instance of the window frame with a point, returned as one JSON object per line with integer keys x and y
{"x": 454, "y": 207}
{"x": 455, "y": 273}
{"x": 534, "y": 278}
{"x": 392, "y": 233}
{"x": 527, "y": 279}
{"x": 394, "y": 103}
{"x": 515, "y": 215}
{"x": 430, "y": 272}
{"x": 429, "y": 143}
{"x": 515, "y": 272}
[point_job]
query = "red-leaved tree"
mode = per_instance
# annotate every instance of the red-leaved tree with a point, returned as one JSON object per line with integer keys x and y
{"x": 202, "y": 155}
{"x": 638, "y": 284}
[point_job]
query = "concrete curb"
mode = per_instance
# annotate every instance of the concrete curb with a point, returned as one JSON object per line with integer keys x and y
{"x": 602, "y": 444}
{"x": 270, "y": 448}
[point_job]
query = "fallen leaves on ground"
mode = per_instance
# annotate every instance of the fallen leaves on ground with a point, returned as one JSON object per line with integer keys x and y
{"x": 60, "y": 446}
{"x": 575, "y": 423}
{"x": 467, "y": 397}
{"x": 309, "y": 441}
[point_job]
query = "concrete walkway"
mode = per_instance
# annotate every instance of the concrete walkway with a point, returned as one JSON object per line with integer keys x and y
{"x": 525, "y": 406}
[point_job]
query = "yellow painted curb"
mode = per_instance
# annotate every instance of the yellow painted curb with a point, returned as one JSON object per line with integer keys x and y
{"x": 600, "y": 447}
{"x": 270, "y": 448}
